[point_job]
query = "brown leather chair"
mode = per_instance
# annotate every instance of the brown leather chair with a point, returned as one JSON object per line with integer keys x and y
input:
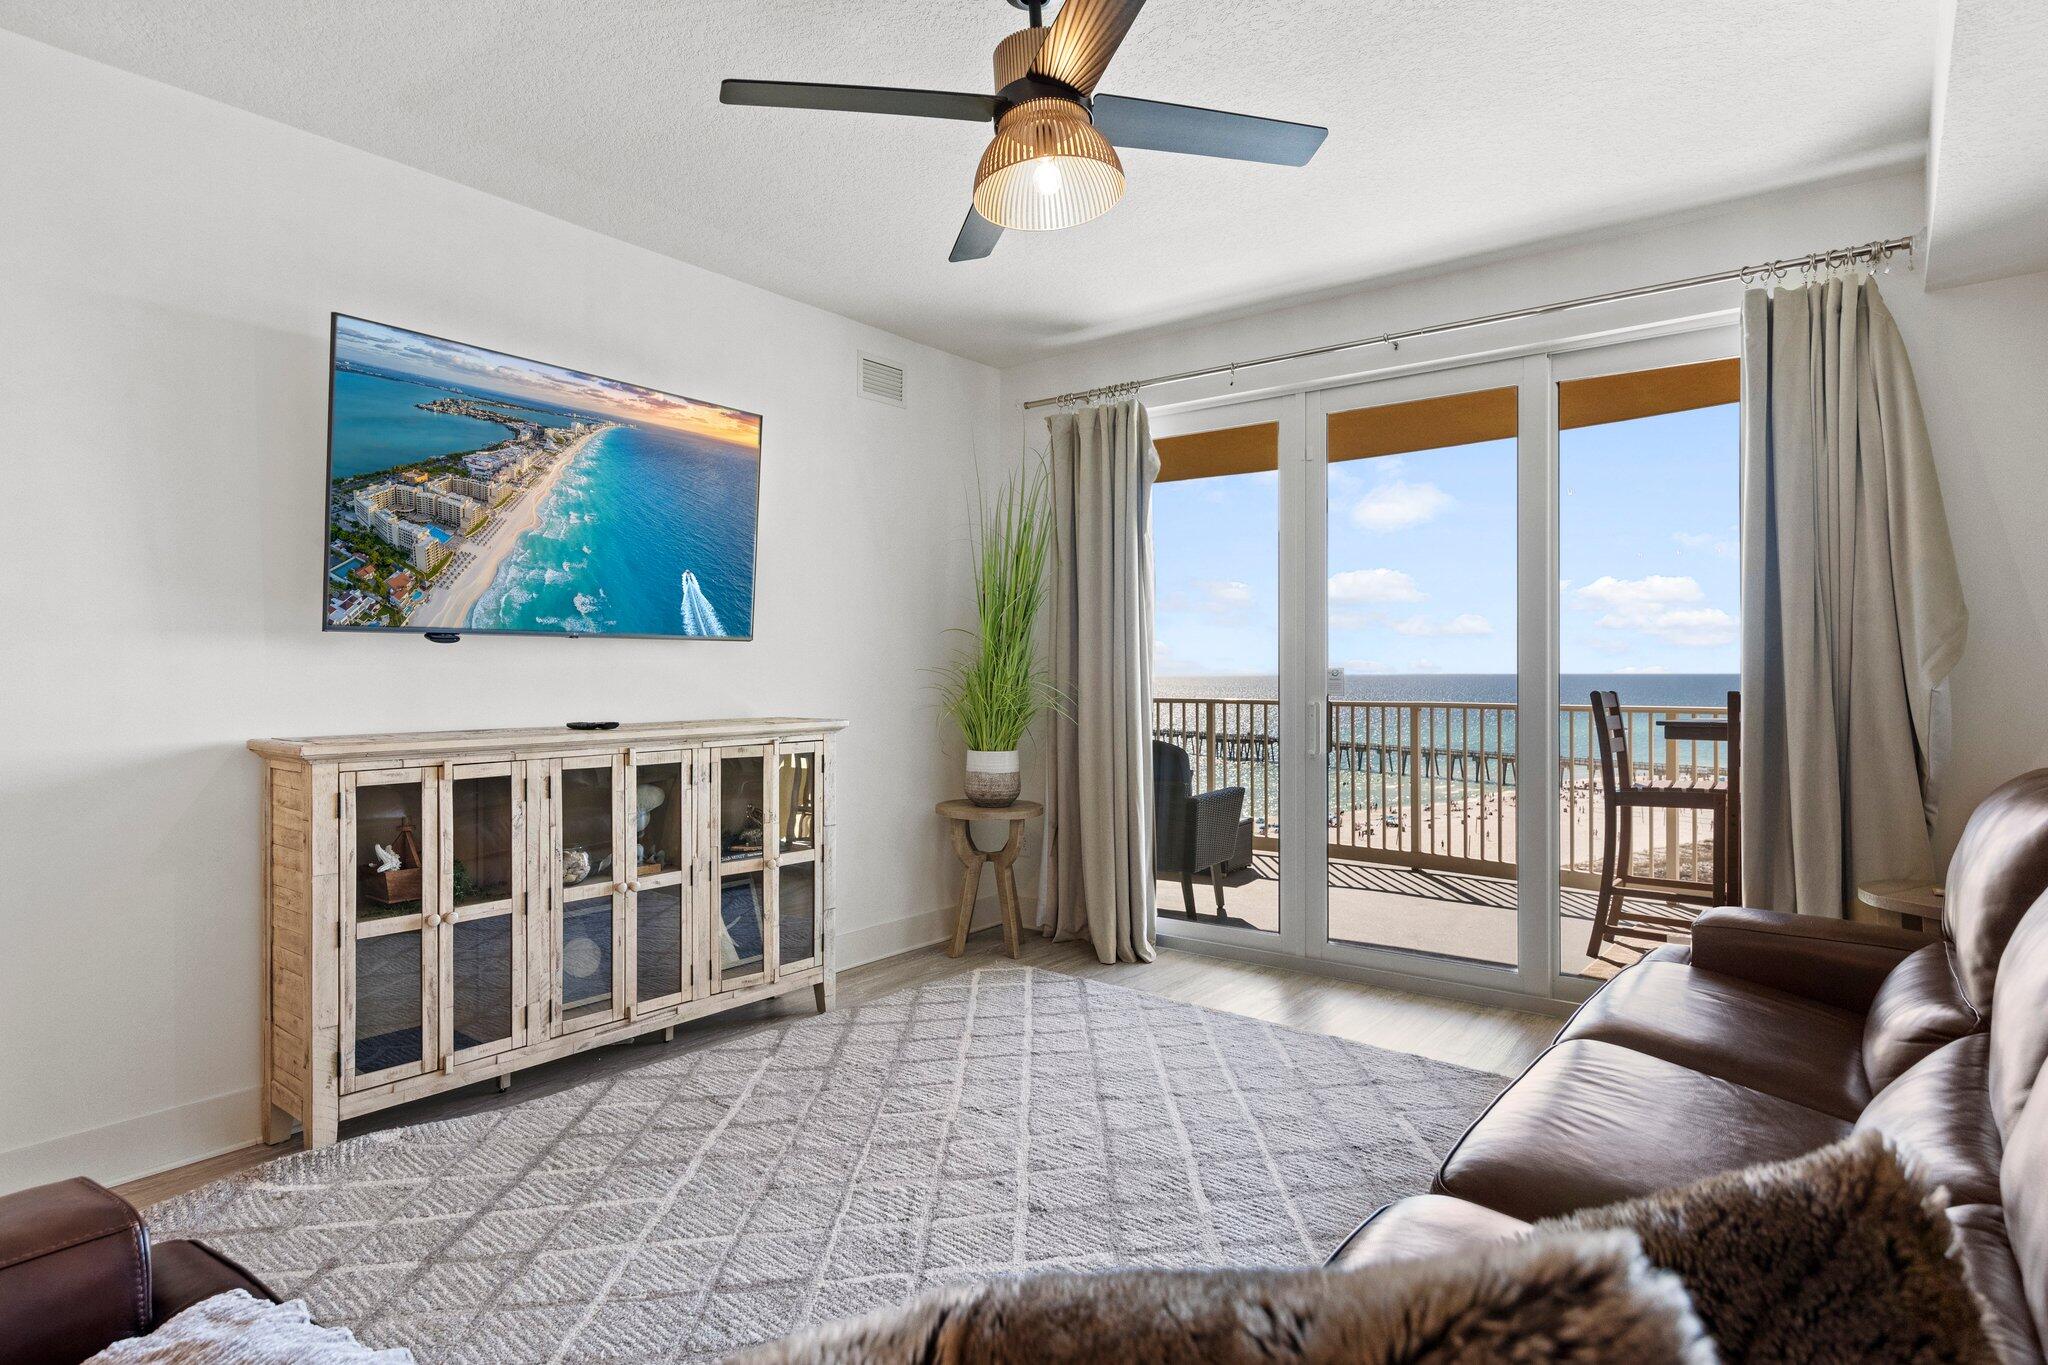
{"x": 78, "y": 1273}
{"x": 1775, "y": 1034}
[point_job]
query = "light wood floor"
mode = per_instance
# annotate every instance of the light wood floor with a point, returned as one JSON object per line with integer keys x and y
{"x": 1479, "y": 1036}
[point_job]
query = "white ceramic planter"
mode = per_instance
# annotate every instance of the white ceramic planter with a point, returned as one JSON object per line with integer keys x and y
{"x": 992, "y": 777}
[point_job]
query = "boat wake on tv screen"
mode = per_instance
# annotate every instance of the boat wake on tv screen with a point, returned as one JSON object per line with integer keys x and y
{"x": 473, "y": 491}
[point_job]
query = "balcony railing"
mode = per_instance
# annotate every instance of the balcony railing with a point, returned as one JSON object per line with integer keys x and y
{"x": 1432, "y": 784}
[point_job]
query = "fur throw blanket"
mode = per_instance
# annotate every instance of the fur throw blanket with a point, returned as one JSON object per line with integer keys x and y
{"x": 1844, "y": 1254}
{"x": 1574, "y": 1299}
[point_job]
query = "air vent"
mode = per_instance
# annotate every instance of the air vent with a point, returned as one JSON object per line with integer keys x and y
{"x": 881, "y": 380}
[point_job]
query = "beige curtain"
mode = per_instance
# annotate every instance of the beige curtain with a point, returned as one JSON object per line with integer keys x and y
{"x": 1097, "y": 880}
{"x": 1852, "y": 613}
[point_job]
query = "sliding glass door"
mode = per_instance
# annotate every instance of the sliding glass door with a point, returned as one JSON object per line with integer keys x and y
{"x": 1649, "y": 504}
{"x": 1381, "y": 610}
{"x": 1227, "y": 635}
{"x": 1417, "y": 520}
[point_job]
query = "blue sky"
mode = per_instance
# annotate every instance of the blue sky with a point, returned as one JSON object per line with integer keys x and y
{"x": 1422, "y": 557}
{"x": 453, "y": 363}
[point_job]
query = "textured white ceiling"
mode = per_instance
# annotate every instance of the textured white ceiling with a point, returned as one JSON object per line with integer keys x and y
{"x": 1988, "y": 168}
{"x": 1457, "y": 127}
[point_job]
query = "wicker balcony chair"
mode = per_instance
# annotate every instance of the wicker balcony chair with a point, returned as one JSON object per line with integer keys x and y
{"x": 1191, "y": 832}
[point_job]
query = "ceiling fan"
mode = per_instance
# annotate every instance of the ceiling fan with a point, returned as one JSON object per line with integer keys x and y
{"x": 1053, "y": 161}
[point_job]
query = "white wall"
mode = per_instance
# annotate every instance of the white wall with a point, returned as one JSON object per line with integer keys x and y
{"x": 167, "y": 266}
{"x": 1980, "y": 353}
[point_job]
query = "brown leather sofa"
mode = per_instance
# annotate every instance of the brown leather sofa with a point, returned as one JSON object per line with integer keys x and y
{"x": 78, "y": 1273}
{"x": 1771, "y": 1035}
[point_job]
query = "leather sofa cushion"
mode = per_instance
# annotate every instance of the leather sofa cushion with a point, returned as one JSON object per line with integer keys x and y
{"x": 1989, "y": 1268}
{"x": 1940, "y": 1115}
{"x": 1592, "y": 1122}
{"x": 2019, "y": 1024}
{"x": 1918, "y": 1009}
{"x": 1999, "y": 870}
{"x": 1780, "y": 1044}
{"x": 1421, "y": 1226}
{"x": 2024, "y": 1194}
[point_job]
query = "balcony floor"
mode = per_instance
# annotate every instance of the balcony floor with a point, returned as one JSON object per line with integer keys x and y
{"x": 1450, "y": 914}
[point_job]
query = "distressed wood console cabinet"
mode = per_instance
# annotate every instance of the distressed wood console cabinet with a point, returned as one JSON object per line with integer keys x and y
{"x": 445, "y": 908}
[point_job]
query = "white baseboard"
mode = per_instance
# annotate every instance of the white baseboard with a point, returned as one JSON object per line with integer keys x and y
{"x": 892, "y": 937}
{"x": 131, "y": 1148}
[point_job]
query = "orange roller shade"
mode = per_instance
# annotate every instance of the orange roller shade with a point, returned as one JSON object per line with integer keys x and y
{"x": 1458, "y": 419}
{"x": 1646, "y": 393}
{"x": 1210, "y": 454}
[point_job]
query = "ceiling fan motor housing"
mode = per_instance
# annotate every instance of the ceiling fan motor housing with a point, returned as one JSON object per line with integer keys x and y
{"x": 1017, "y": 83}
{"x": 1016, "y": 53}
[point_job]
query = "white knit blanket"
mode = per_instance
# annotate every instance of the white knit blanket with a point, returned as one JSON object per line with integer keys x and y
{"x": 237, "y": 1328}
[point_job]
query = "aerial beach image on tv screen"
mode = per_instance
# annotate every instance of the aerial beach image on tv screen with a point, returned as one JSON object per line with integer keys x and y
{"x": 474, "y": 491}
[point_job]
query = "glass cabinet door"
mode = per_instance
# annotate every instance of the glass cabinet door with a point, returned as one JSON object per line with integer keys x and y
{"x": 658, "y": 882}
{"x": 798, "y": 875}
{"x": 585, "y": 813}
{"x": 390, "y": 904}
{"x": 483, "y": 927}
{"x": 741, "y": 821}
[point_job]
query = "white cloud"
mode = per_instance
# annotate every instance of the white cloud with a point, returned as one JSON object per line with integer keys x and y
{"x": 1398, "y": 505}
{"x": 1701, "y": 540}
{"x": 1466, "y": 623}
{"x": 1224, "y": 598}
{"x": 1660, "y": 606}
{"x": 1364, "y": 666}
{"x": 1643, "y": 668}
{"x": 1373, "y": 585}
{"x": 1425, "y": 666}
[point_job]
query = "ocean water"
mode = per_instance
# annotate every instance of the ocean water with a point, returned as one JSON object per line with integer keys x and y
{"x": 640, "y": 510}
{"x": 378, "y": 423}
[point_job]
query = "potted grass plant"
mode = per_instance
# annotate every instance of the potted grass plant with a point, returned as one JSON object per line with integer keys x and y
{"x": 995, "y": 687}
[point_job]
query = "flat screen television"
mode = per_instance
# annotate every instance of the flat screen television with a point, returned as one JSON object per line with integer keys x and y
{"x": 473, "y": 492}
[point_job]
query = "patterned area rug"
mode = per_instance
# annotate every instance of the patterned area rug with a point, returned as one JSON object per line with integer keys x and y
{"x": 1018, "y": 1120}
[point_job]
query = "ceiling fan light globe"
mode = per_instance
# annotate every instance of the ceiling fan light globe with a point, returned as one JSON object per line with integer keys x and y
{"x": 1047, "y": 168}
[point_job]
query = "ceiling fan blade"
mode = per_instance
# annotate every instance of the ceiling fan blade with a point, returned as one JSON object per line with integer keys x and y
{"x": 977, "y": 238}
{"x": 1153, "y": 126}
{"x": 860, "y": 99}
{"x": 1083, "y": 39}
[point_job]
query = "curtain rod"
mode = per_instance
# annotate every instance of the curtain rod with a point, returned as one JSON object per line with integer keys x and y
{"x": 1870, "y": 253}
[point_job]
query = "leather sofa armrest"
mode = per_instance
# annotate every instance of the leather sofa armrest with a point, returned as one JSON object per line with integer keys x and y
{"x": 1837, "y": 962}
{"x": 74, "y": 1273}
{"x": 185, "y": 1273}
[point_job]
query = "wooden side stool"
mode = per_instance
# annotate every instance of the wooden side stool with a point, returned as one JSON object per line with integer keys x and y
{"x": 960, "y": 816}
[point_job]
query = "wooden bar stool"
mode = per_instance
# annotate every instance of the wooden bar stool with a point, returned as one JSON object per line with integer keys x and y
{"x": 1710, "y": 792}
{"x": 960, "y": 818}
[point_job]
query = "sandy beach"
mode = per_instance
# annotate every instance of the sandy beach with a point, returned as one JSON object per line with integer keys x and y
{"x": 449, "y": 603}
{"x": 1481, "y": 828}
